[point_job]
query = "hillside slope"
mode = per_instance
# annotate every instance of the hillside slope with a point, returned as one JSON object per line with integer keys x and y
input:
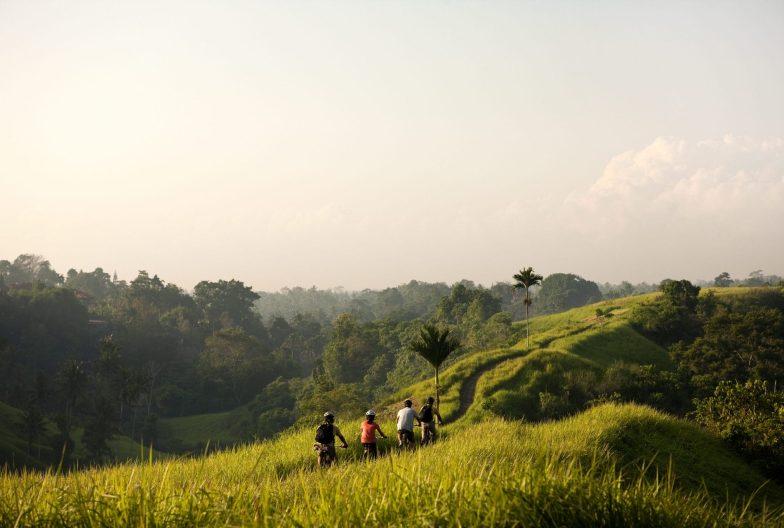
{"x": 581, "y": 471}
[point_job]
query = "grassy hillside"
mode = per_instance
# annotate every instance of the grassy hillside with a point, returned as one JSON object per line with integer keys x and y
{"x": 584, "y": 471}
{"x": 612, "y": 465}
{"x": 196, "y": 433}
{"x": 13, "y": 445}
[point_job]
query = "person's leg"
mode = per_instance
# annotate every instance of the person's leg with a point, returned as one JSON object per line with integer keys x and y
{"x": 409, "y": 439}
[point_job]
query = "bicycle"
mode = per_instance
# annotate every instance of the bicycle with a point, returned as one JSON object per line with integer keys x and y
{"x": 407, "y": 442}
{"x": 429, "y": 432}
{"x": 324, "y": 454}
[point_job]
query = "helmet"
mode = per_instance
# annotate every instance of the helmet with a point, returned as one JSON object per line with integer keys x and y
{"x": 371, "y": 412}
{"x": 430, "y": 399}
{"x": 329, "y": 416}
{"x": 408, "y": 403}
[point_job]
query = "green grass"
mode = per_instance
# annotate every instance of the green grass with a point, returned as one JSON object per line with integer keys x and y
{"x": 451, "y": 379}
{"x": 194, "y": 433}
{"x": 571, "y": 473}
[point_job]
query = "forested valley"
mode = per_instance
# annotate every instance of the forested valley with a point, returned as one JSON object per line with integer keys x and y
{"x": 87, "y": 357}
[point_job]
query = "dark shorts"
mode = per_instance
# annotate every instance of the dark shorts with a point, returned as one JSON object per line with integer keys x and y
{"x": 405, "y": 433}
{"x": 370, "y": 449}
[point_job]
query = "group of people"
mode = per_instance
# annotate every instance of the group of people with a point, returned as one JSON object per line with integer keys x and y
{"x": 426, "y": 418}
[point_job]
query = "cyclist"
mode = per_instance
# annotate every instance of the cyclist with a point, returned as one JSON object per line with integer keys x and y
{"x": 427, "y": 416}
{"x": 368, "y": 430}
{"x": 405, "y": 424}
{"x": 325, "y": 440}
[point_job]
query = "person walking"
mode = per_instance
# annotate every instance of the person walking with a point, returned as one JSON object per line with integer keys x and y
{"x": 368, "y": 431}
{"x": 325, "y": 440}
{"x": 405, "y": 425}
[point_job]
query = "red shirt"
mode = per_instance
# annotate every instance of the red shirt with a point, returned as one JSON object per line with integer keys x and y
{"x": 369, "y": 432}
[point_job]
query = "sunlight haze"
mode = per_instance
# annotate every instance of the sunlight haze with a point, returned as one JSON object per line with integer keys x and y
{"x": 365, "y": 144}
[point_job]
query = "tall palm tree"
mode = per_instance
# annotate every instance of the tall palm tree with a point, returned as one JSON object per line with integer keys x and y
{"x": 435, "y": 346}
{"x": 525, "y": 279}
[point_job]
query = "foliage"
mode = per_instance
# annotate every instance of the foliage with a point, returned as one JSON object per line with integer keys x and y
{"x": 674, "y": 317}
{"x": 97, "y": 283}
{"x": 631, "y": 382}
{"x": 29, "y": 269}
{"x": 435, "y": 345}
{"x": 750, "y": 416}
{"x": 228, "y": 304}
{"x": 526, "y": 278}
{"x": 236, "y": 363}
{"x": 562, "y": 291}
{"x": 739, "y": 343}
{"x": 350, "y": 352}
{"x": 723, "y": 280}
{"x": 680, "y": 293}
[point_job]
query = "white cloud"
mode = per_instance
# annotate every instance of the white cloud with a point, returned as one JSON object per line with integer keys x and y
{"x": 735, "y": 183}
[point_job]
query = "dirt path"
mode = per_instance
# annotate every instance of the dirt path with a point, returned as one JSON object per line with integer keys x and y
{"x": 468, "y": 391}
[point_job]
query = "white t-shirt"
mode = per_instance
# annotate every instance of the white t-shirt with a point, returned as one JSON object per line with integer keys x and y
{"x": 405, "y": 419}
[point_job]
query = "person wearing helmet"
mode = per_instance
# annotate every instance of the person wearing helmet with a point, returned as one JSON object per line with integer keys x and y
{"x": 427, "y": 416}
{"x": 368, "y": 431}
{"x": 325, "y": 440}
{"x": 405, "y": 424}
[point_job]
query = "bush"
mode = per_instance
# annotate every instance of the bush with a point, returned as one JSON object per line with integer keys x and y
{"x": 750, "y": 417}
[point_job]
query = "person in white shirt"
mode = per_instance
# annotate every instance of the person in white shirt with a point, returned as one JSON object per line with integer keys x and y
{"x": 405, "y": 424}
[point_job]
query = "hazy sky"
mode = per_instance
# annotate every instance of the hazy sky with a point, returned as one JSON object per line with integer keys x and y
{"x": 364, "y": 144}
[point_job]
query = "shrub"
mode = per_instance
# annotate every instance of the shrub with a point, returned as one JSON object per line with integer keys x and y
{"x": 750, "y": 417}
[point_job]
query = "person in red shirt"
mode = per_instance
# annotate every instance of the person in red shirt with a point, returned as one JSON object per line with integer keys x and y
{"x": 368, "y": 430}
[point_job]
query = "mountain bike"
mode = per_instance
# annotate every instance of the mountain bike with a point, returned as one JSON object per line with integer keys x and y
{"x": 326, "y": 456}
{"x": 407, "y": 442}
{"x": 429, "y": 432}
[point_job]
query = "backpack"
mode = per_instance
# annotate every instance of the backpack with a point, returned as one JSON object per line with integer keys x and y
{"x": 325, "y": 434}
{"x": 426, "y": 415}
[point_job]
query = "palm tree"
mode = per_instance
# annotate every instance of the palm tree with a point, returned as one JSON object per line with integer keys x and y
{"x": 34, "y": 426}
{"x": 73, "y": 379}
{"x": 435, "y": 346}
{"x": 525, "y": 279}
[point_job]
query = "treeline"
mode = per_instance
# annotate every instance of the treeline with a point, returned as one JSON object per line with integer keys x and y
{"x": 99, "y": 357}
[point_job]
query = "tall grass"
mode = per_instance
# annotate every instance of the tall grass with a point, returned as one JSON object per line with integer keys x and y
{"x": 490, "y": 474}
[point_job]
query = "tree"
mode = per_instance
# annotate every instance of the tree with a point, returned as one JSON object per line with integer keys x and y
{"x": 228, "y": 304}
{"x": 73, "y": 382}
{"x": 34, "y": 426}
{"x": 100, "y": 428}
{"x": 96, "y": 283}
{"x": 680, "y": 293}
{"x": 722, "y": 280}
{"x": 351, "y": 350}
{"x": 737, "y": 344}
{"x": 238, "y": 361}
{"x": 435, "y": 346}
{"x": 28, "y": 268}
{"x": 562, "y": 291}
{"x": 525, "y": 279}
{"x": 750, "y": 417}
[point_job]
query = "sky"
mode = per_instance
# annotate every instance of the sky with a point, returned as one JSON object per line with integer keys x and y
{"x": 365, "y": 144}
